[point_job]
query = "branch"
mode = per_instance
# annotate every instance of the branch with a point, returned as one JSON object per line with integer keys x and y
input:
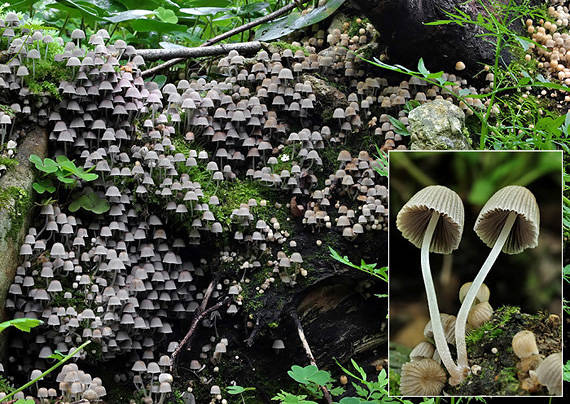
{"x": 198, "y": 316}
{"x": 183, "y": 52}
{"x": 261, "y": 20}
{"x": 308, "y": 351}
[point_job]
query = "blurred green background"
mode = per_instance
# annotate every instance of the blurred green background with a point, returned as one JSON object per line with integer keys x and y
{"x": 531, "y": 280}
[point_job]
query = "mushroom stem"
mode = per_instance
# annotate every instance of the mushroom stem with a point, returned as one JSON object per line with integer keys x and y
{"x": 438, "y": 334}
{"x": 461, "y": 322}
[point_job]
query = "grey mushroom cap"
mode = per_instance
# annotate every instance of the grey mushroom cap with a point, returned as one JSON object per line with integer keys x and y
{"x": 413, "y": 218}
{"x": 524, "y": 233}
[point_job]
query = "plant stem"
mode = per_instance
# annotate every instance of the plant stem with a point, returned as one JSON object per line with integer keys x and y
{"x": 438, "y": 334}
{"x": 47, "y": 372}
{"x": 461, "y": 321}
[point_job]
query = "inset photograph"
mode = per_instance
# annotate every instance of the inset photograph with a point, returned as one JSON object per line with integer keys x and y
{"x": 475, "y": 264}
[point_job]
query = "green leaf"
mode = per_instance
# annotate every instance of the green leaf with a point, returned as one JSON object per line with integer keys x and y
{"x": 422, "y": 68}
{"x": 128, "y": 15}
{"x": 235, "y": 390}
{"x": 399, "y": 127}
{"x": 42, "y": 185}
{"x": 22, "y": 324}
{"x": 148, "y": 25}
{"x": 90, "y": 201}
{"x": 166, "y": 15}
{"x": 350, "y": 400}
{"x": 294, "y": 21}
{"x": 62, "y": 177}
{"x": 309, "y": 374}
{"x": 25, "y": 401}
{"x": 203, "y": 10}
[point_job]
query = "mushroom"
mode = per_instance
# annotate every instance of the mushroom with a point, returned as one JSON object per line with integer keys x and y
{"x": 509, "y": 221}
{"x": 549, "y": 373}
{"x": 423, "y": 377}
{"x": 419, "y": 221}
{"x": 524, "y": 344}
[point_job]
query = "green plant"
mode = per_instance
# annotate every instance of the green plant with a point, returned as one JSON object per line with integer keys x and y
{"x": 63, "y": 169}
{"x": 235, "y": 390}
{"x": 90, "y": 201}
{"x": 22, "y": 324}
{"x": 370, "y": 269}
{"x": 496, "y": 25}
{"x": 382, "y": 166}
{"x": 60, "y": 361}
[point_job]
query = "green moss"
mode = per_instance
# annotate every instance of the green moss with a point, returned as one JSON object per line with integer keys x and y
{"x": 45, "y": 73}
{"x": 492, "y": 329}
{"x": 18, "y": 202}
{"x": 5, "y": 161}
{"x": 7, "y": 110}
{"x": 355, "y": 26}
{"x": 287, "y": 45}
{"x": 508, "y": 381}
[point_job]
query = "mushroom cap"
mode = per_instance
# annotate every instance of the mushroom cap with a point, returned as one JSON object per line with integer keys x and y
{"x": 480, "y": 314}
{"x": 424, "y": 377}
{"x": 413, "y": 218}
{"x": 524, "y": 233}
{"x": 524, "y": 344}
{"x": 549, "y": 373}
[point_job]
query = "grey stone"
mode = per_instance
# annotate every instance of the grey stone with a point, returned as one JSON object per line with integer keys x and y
{"x": 438, "y": 125}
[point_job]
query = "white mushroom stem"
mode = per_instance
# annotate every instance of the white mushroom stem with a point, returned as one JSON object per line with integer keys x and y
{"x": 461, "y": 322}
{"x": 438, "y": 334}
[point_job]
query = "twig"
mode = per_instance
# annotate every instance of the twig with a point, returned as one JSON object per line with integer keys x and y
{"x": 183, "y": 52}
{"x": 254, "y": 23}
{"x": 198, "y": 316}
{"x": 308, "y": 351}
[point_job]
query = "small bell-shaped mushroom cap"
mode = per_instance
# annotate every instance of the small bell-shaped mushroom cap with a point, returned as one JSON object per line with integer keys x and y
{"x": 424, "y": 377}
{"x": 413, "y": 218}
{"x": 549, "y": 373}
{"x": 524, "y": 344}
{"x": 524, "y": 233}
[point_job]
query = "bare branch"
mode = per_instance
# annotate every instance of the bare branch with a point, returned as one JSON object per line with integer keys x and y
{"x": 254, "y": 23}
{"x": 183, "y": 52}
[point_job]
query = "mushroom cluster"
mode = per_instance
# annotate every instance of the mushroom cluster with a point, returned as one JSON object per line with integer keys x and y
{"x": 428, "y": 354}
{"x": 74, "y": 385}
{"x": 124, "y": 279}
{"x": 534, "y": 371}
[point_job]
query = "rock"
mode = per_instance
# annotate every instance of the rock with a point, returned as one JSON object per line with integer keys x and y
{"x": 15, "y": 199}
{"x": 438, "y": 125}
{"x": 338, "y": 22}
{"x": 328, "y": 97}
